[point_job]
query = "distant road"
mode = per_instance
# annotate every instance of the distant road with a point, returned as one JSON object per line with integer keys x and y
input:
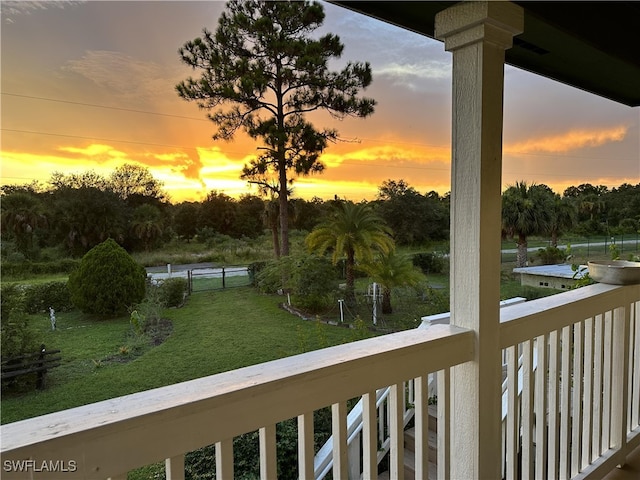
{"x": 594, "y": 244}
{"x": 204, "y": 269}
{"x": 208, "y": 268}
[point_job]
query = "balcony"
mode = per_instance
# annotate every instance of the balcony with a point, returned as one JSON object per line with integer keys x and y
{"x": 545, "y": 389}
{"x": 571, "y": 402}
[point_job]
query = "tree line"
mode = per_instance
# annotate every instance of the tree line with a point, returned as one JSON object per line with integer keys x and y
{"x": 75, "y": 212}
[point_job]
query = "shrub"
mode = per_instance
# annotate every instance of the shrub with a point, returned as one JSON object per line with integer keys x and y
{"x": 311, "y": 278}
{"x": 172, "y": 291}
{"x": 551, "y": 255}
{"x": 253, "y": 270}
{"x": 13, "y": 268}
{"x": 429, "y": 262}
{"x": 108, "y": 280}
{"x": 16, "y": 336}
{"x": 11, "y": 298}
{"x": 39, "y": 297}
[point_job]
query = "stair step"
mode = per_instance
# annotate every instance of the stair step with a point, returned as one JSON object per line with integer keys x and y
{"x": 410, "y": 446}
{"x": 410, "y": 443}
{"x": 433, "y": 474}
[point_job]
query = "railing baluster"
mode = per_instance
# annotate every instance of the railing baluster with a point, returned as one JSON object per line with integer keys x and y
{"x": 174, "y": 468}
{"x": 369, "y": 442}
{"x": 587, "y": 417}
{"x": 576, "y": 400}
{"x": 268, "y": 455}
{"x": 606, "y": 387}
{"x": 339, "y": 432}
{"x": 444, "y": 425}
{"x": 421, "y": 417}
{"x": 635, "y": 359}
{"x": 565, "y": 402}
{"x": 224, "y": 459}
{"x": 305, "y": 446}
{"x": 354, "y": 454}
{"x": 620, "y": 381}
{"x": 527, "y": 410}
{"x": 540, "y": 408}
{"x": 596, "y": 449}
{"x": 554, "y": 384}
{"x": 512, "y": 423}
{"x": 381, "y": 422}
{"x": 396, "y": 432}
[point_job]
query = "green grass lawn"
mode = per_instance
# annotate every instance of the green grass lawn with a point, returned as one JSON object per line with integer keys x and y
{"x": 214, "y": 332}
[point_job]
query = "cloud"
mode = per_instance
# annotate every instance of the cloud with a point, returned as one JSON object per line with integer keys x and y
{"x": 570, "y": 140}
{"x": 390, "y": 153}
{"x": 12, "y": 9}
{"x": 124, "y": 75}
{"x": 415, "y": 75}
{"x": 95, "y": 152}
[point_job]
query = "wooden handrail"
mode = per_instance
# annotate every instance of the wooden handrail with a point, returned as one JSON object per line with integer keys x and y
{"x": 124, "y": 433}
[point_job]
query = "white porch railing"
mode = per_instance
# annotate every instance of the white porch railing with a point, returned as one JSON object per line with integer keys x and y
{"x": 578, "y": 414}
{"x": 110, "y": 438}
{"x": 577, "y": 417}
{"x": 324, "y": 458}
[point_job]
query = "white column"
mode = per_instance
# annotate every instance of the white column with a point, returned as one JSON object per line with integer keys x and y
{"x": 477, "y": 33}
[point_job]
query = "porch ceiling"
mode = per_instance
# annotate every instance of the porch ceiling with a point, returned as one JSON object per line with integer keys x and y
{"x": 594, "y": 46}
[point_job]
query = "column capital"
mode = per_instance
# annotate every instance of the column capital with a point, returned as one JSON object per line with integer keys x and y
{"x": 465, "y": 23}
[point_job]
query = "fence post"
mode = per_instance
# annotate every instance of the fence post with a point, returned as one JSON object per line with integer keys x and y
{"x": 223, "y": 275}
{"x": 189, "y": 284}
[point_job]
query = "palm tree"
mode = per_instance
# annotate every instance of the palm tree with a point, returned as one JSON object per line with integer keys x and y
{"x": 390, "y": 271}
{"x": 22, "y": 213}
{"x": 147, "y": 224}
{"x": 563, "y": 217}
{"x": 354, "y": 231}
{"x": 526, "y": 211}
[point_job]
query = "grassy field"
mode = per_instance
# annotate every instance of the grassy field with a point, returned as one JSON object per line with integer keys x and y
{"x": 217, "y": 331}
{"x": 214, "y": 332}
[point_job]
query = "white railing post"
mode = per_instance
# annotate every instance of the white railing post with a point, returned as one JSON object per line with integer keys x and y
{"x": 477, "y": 34}
{"x": 339, "y": 432}
{"x": 268, "y": 456}
{"x": 421, "y": 405}
{"x": 224, "y": 459}
{"x": 369, "y": 436}
{"x": 396, "y": 432}
{"x": 174, "y": 468}
{"x": 527, "y": 410}
{"x": 620, "y": 380}
{"x": 305, "y": 446}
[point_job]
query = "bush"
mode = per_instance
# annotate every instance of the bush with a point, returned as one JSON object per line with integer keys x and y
{"x": 16, "y": 336}
{"x": 11, "y": 298}
{"x": 108, "y": 280}
{"x": 429, "y": 262}
{"x": 253, "y": 270}
{"x": 551, "y": 255}
{"x": 311, "y": 278}
{"x": 13, "y": 268}
{"x": 39, "y": 297}
{"x": 172, "y": 291}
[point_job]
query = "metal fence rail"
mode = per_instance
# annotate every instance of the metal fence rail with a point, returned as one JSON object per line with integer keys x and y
{"x": 206, "y": 279}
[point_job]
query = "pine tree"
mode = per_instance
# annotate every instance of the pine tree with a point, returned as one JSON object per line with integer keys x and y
{"x": 262, "y": 73}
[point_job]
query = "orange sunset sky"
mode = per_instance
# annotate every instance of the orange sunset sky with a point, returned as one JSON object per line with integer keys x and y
{"x": 90, "y": 86}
